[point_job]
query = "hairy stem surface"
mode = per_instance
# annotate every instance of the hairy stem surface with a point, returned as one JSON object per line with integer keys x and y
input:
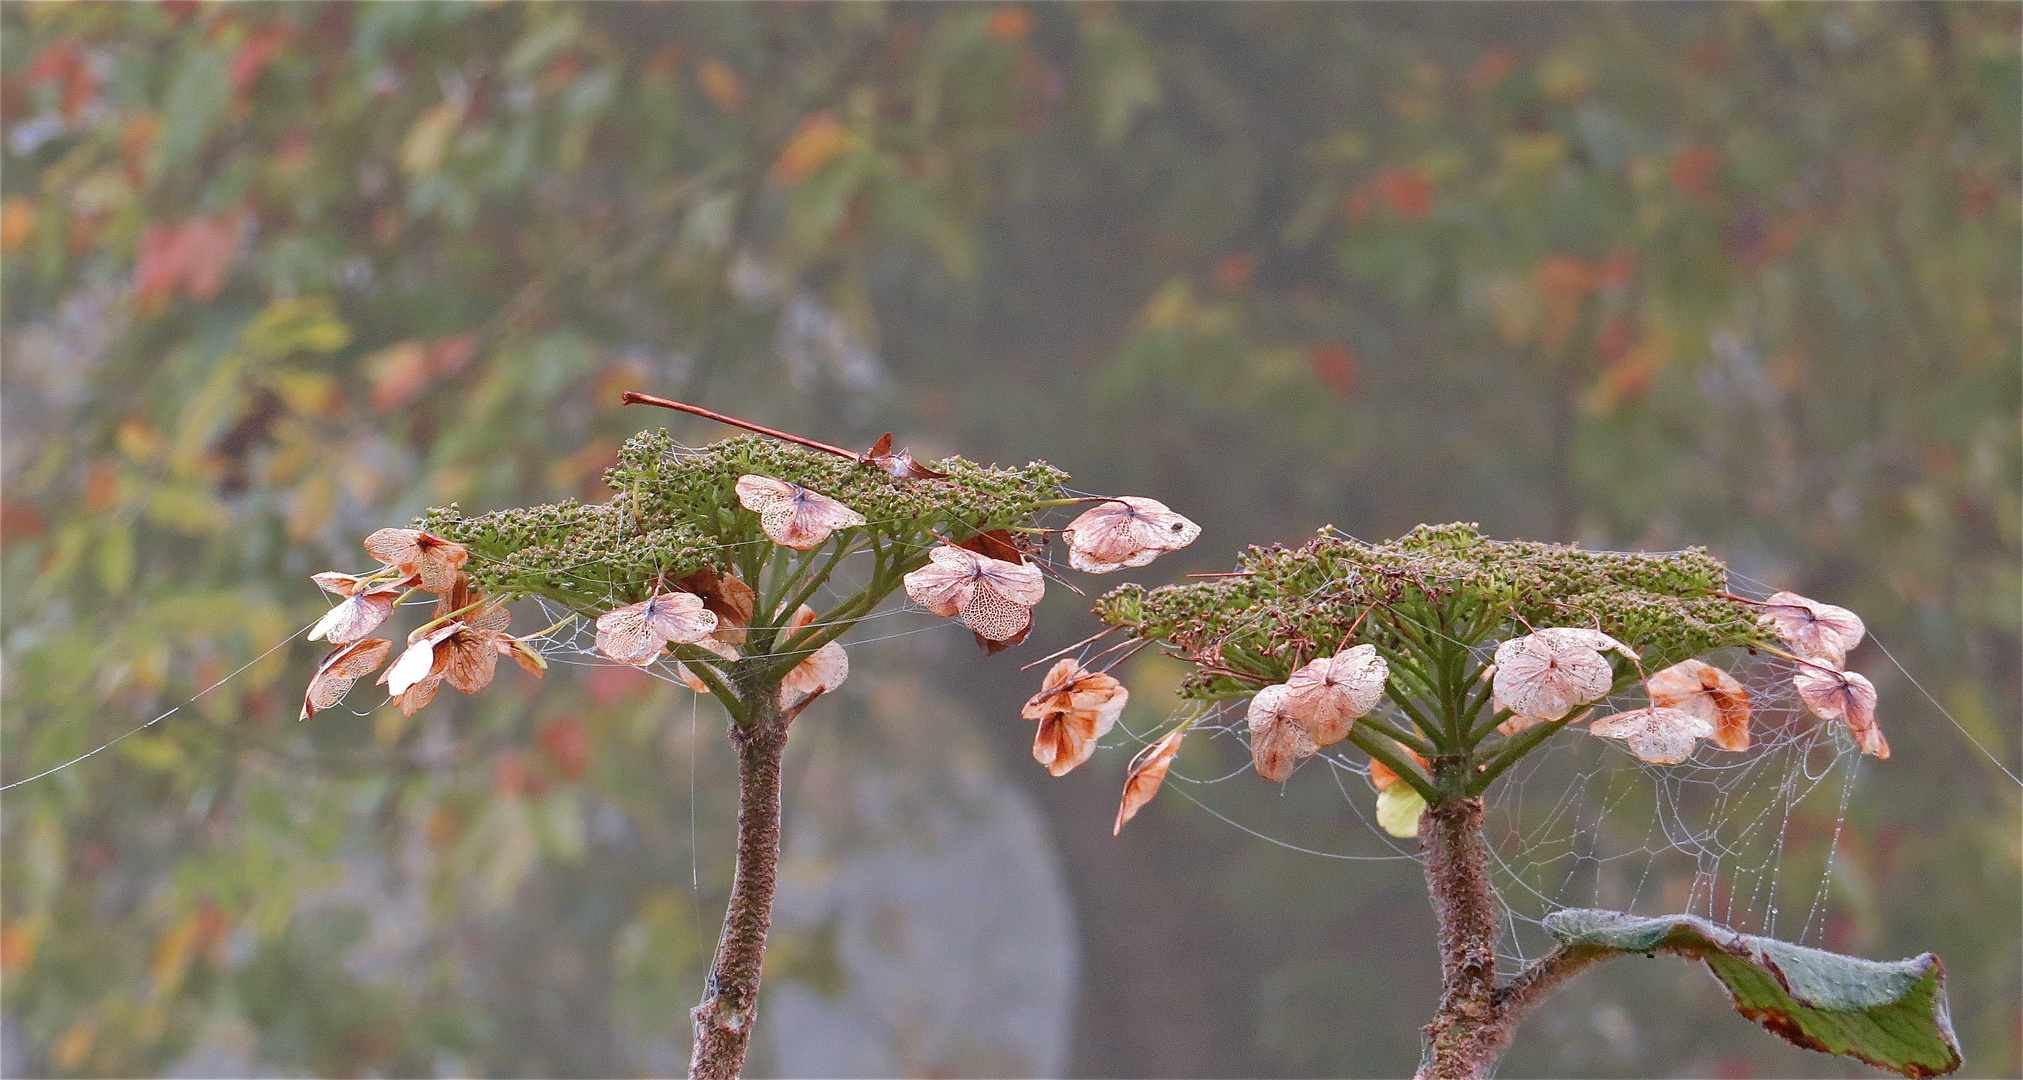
{"x": 1476, "y": 1018}
{"x": 723, "y": 1022}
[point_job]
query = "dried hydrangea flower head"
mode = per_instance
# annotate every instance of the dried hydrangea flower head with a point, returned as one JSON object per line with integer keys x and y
{"x": 1125, "y": 531}
{"x": 1331, "y": 693}
{"x": 1564, "y": 628}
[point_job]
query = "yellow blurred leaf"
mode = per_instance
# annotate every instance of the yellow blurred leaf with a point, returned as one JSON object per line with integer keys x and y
{"x": 310, "y": 505}
{"x": 157, "y": 752}
{"x": 139, "y": 442}
{"x": 421, "y": 153}
{"x": 75, "y": 1045}
{"x": 189, "y": 507}
{"x": 116, "y": 558}
{"x": 302, "y": 324}
{"x": 819, "y": 138}
{"x": 307, "y": 393}
{"x": 266, "y": 626}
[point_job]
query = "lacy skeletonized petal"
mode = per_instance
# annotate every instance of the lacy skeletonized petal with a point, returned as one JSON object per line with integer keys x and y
{"x": 354, "y": 617}
{"x": 1330, "y": 694}
{"x": 1656, "y": 734}
{"x": 1546, "y": 674}
{"x": 1278, "y": 740}
{"x": 432, "y": 559}
{"x": 793, "y": 516}
{"x": 1125, "y": 531}
{"x": 339, "y": 670}
{"x": 638, "y": 633}
{"x": 990, "y": 596}
{"x": 1846, "y": 696}
{"x": 1148, "y": 771}
{"x": 1819, "y": 632}
{"x": 1709, "y": 693}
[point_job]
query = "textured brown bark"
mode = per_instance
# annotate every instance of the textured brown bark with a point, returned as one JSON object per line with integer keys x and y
{"x": 1467, "y": 1035}
{"x": 723, "y": 1022}
{"x": 1476, "y": 1019}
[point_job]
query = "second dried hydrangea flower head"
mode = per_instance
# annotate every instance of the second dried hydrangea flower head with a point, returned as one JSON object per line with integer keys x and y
{"x": 1483, "y": 649}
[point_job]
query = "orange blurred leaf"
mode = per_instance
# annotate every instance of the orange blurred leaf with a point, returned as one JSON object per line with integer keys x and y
{"x": 722, "y": 84}
{"x": 819, "y": 138}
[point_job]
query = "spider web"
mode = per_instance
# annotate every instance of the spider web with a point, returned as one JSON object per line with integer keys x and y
{"x": 1746, "y": 839}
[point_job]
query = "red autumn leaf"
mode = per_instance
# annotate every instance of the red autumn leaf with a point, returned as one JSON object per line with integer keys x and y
{"x": 260, "y": 46}
{"x": 1693, "y": 167}
{"x": 1335, "y": 365}
{"x": 900, "y": 465}
{"x": 1407, "y": 191}
{"x": 567, "y": 744}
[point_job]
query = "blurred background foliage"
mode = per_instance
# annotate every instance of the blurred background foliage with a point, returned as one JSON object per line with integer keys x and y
{"x": 276, "y": 274}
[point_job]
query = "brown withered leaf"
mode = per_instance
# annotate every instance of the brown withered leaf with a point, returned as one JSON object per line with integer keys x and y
{"x": 339, "y": 670}
{"x": 727, "y": 595}
{"x": 1709, "y": 693}
{"x": 1846, "y": 696}
{"x": 1278, "y": 740}
{"x": 431, "y": 559}
{"x": 901, "y": 465}
{"x": 793, "y": 516}
{"x": 1148, "y": 771}
{"x": 1129, "y": 530}
{"x": 1330, "y": 694}
{"x": 1819, "y": 632}
{"x": 1074, "y": 708}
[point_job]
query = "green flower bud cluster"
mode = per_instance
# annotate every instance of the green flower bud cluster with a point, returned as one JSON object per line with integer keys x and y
{"x": 676, "y": 511}
{"x": 1285, "y": 606}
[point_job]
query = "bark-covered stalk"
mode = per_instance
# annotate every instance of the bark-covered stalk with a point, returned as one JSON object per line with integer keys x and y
{"x": 1469, "y": 1033}
{"x": 723, "y": 1022}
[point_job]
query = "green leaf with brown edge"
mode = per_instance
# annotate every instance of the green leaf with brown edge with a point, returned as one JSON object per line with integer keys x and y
{"x": 1890, "y": 1015}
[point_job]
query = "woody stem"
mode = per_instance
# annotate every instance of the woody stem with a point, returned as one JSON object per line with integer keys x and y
{"x": 634, "y": 397}
{"x": 723, "y": 1022}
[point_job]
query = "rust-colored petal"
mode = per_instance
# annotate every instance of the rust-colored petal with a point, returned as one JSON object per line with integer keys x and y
{"x": 1656, "y": 734}
{"x": 1846, "y": 696}
{"x": 714, "y": 644}
{"x": 1148, "y": 771}
{"x": 1707, "y": 692}
{"x": 1074, "y": 708}
{"x": 1278, "y": 740}
{"x": 725, "y": 594}
{"x": 418, "y": 695}
{"x": 1125, "y": 531}
{"x": 339, "y": 670}
{"x": 1819, "y": 632}
{"x": 431, "y": 558}
{"x": 1330, "y": 694}
{"x": 823, "y": 670}
{"x": 526, "y": 655}
{"x": 900, "y": 465}
{"x": 468, "y": 659}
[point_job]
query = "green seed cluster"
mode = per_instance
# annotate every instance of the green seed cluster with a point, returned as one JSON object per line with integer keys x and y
{"x": 676, "y": 511}
{"x": 1291, "y": 604}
